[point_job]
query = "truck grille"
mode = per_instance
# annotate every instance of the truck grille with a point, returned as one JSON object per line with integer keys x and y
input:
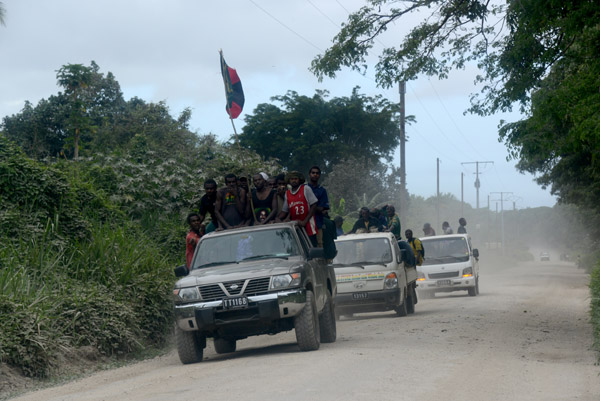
{"x": 214, "y": 292}
{"x": 443, "y": 275}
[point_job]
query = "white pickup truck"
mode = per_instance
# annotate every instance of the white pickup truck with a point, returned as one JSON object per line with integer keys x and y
{"x": 371, "y": 275}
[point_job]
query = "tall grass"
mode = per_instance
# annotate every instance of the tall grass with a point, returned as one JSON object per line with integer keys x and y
{"x": 110, "y": 291}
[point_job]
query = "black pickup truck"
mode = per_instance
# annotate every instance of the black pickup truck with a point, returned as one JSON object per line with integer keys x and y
{"x": 252, "y": 281}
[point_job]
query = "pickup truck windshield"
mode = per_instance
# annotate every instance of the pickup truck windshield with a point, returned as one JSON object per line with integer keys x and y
{"x": 445, "y": 250}
{"x": 363, "y": 251}
{"x": 247, "y": 245}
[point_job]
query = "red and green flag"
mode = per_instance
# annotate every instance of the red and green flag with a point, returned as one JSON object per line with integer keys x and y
{"x": 233, "y": 89}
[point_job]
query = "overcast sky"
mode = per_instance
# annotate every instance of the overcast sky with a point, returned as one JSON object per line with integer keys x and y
{"x": 168, "y": 50}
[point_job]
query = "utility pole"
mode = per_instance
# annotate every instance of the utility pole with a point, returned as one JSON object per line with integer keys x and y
{"x": 501, "y": 214}
{"x": 403, "y": 194}
{"x": 462, "y": 194}
{"x": 437, "y": 224}
{"x": 477, "y": 183}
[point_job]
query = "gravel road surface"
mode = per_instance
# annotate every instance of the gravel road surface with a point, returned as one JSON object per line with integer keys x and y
{"x": 525, "y": 337}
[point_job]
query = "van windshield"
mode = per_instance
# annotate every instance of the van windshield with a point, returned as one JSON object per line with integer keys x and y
{"x": 363, "y": 251}
{"x": 445, "y": 250}
{"x": 247, "y": 245}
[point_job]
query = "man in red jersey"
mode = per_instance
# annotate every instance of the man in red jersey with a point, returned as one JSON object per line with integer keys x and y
{"x": 300, "y": 203}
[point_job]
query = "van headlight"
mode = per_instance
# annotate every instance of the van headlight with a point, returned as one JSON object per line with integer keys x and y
{"x": 285, "y": 280}
{"x": 391, "y": 281}
{"x": 468, "y": 272}
{"x": 420, "y": 276}
{"x": 187, "y": 293}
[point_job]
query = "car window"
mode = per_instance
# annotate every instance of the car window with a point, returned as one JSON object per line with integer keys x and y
{"x": 238, "y": 246}
{"x": 372, "y": 250}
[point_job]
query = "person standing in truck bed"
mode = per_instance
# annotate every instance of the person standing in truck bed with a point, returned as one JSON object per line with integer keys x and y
{"x": 300, "y": 204}
{"x": 231, "y": 205}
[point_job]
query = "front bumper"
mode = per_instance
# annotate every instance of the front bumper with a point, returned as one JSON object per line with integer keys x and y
{"x": 208, "y": 316}
{"x": 368, "y": 301}
{"x": 446, "y": 285}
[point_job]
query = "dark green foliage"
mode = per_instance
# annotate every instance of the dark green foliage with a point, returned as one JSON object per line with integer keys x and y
{"x": 310, "y": 129}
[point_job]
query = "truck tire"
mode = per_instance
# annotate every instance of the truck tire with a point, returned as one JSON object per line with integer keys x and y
{"x": 327, "y": 322}
{"x": 401, "y": 310}
{"x": 410, "y": 301}
{"x": 224, "y": 346}
{"x": 306, "y": 324}
{"x": 190, "y": 345}
{"x": 473, "y": 291}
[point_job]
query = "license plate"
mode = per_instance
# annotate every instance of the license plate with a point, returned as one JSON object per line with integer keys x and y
{"x": 360, "y": 295}
{"x": 235, "y": 303}
{"x": 441, "y": 283}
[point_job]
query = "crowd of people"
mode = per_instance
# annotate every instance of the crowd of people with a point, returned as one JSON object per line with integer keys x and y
{"x": 288, "y": 197}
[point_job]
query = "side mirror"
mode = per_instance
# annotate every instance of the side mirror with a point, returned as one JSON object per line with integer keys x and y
{"x": 316, "y": 253}
{"x": 181, "y": 271}
{"x": 476, "y": 253}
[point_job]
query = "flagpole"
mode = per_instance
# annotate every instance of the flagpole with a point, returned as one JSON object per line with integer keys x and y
{"x": 237, "y": 141}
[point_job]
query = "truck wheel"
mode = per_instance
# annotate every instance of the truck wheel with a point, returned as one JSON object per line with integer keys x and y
{"x": 410, "y": 302}
{"x": 327, "y": 322}
{"x": 473, "y": 291}
{"x": 224, "y": 346}
{"x": 401, "y": 310}
{"x": 307, "y": 325}
{"x": 190, "y": 345}
{"x": 477, "y": 285}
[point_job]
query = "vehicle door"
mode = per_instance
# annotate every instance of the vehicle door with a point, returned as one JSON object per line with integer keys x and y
{"x": 316, "y": 268}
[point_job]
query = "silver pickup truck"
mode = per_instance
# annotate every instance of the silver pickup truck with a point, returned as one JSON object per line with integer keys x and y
{"x": 252, "y": 281}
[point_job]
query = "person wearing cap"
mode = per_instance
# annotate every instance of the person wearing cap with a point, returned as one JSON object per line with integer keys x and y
{"x": 339, "y": 221}
{"x": 262, "y": 198}
{"x": 300, "y": 204}
{"x": 428, "y": 230}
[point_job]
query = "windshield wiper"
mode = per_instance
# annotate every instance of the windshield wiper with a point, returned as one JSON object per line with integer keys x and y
{"x": 216, "y": 263}
{"x": 365, "y": 262}
{"x": 266, "y": 257}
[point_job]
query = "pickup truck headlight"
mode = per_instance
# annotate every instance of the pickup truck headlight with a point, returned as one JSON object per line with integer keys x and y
{"x": 420, "y": 276}
{"x": 187, "y": 293}
{"x": 285, "y": 280}
{"x": 468, "y": 272}
{"x": 391, "y": 281}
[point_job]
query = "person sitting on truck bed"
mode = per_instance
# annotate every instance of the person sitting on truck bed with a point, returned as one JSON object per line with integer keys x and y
{"x": 231, "y": 206}
{"x": 300, "y": 203}
{"x": 366, "y": 222}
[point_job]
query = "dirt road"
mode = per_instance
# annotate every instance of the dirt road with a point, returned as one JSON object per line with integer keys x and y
{"x": 525, "y": 337}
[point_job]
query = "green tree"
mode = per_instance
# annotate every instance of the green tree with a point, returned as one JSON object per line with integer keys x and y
{"x": 313, "y": 130}
{"x": 545, "y": 51}
{"x": 75, "y": 79}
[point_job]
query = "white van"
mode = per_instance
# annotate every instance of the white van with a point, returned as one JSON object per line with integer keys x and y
{"x": 371, "y": 275}
{"x": 450, "y": 264}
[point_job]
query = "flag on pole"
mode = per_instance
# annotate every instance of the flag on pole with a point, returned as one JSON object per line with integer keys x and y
{"x": 233, "y": 89}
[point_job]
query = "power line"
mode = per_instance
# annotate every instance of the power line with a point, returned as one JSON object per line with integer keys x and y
{"x": 286, "y": 27}
{"x": 323, "y": 14}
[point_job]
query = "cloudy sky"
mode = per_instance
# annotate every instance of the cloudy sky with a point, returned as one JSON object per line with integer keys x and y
{"x": 168, "y": 50}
